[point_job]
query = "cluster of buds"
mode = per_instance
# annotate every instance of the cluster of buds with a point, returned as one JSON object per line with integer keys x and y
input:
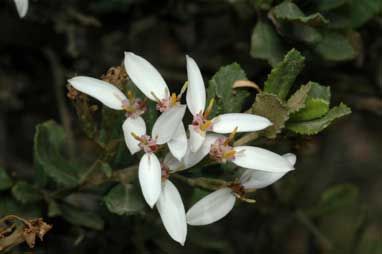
{"x": 205, "y": 137}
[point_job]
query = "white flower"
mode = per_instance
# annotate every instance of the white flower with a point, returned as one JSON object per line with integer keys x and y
{"x": 225, "y": 123}
{"x": 147, "y": 78}
{"x": 249, "y": 157}
{"x": 218, "y": 204}
{"x": 149, "y": 172}
{"x": 172, "y": 212}
{"x": 22, "y": 7}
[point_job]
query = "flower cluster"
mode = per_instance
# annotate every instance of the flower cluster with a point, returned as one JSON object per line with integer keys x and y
{"x": 261, "y": 167}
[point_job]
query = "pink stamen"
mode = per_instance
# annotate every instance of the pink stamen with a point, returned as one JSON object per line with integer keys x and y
{"x": 148, "y": 144}
{"x": 136, "y": 109}
{"x": 221, "y": 152}
{"x": 200, "y": 121}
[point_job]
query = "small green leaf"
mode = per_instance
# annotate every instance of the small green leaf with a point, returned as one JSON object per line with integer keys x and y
{"x": 49, "y": 143}
{"x": 362, "y": 11}
{"x": 124, "y": 200}
{"x": 305, "y": 33}
{"x": 265, "y": 43}
{"x": 54, "y": 209}
{"x": 5, "y": 180}
{"x": 316, "y": 105}
{"x": 271, "y": 107}
{"x": 80, "y": 217}
{"x": 284, "y": 74}
{"x": 220, "y": 87}
{"x": 25, "y": 193}
{"x": 315, "y": 126}
{"x": 334, "y": 198}
{"x": 291, "y": 12}
{"x": 335, "y": 47}
{"x": 297, "y": 100}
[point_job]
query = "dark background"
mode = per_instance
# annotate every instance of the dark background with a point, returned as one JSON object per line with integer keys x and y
{"x": 59, "y": 39}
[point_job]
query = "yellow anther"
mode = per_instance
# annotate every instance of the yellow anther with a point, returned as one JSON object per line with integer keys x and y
{"x": 129, "y": 109}
{"x": 131, "y": 97}
{"x": 231, "y": 136}
{"x": 228, "y": 154}
{"x": 137, "y": 137}
{"x": 174, "y": 99}
{"x": 209, "y": 108}
{"x": 183, "y": 90}
{"x": 206, "y": 125}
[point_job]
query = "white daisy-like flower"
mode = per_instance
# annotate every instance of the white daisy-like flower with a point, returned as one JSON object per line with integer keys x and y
{"x": 151, "y": 83}
{"x": 223, "y": 124}
{"x": 219, "y": 203}
{"x": 22, "y": 7}
{"x": 149, "y": 172}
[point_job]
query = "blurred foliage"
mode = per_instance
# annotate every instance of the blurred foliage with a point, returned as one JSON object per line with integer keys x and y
{"x": 83, "y": 182}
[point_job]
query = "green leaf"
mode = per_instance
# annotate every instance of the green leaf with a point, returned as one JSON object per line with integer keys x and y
{"x": 49, "y": 144}
{"x": 220, "y": 87}
{"x": 297, "y": 100}
{"x": 25, "y": 193}
{"x": 124, "y": 200}
{"x": 335, "y": 47}
{"x": 80, "y": 217}
{"x": 5, "y": 180}
{"x": 316, "y": 105}
{"x": 54, "y": 209}
{"x": 265, "y": 43}
{"x": 362, "y": 11}
{"x": 291, "y": 12}
{"x": 327, "y": 5}
{"x": 305, "y": 33}
{"x": 334, "y": 198}
{"x": 271, "y": 107}
{"x": 284, "y": 74}
{"x": 315, "y": 126}
{"x": 8, "y": 205}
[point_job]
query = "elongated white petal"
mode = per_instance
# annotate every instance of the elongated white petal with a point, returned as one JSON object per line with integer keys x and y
{"x": 211, "y": 208}
{"x": 261, "y": 159}
{"x": 106, "y": 93}
{"x": 190, "y": 159}
{"x": 291, "y": 158}
{"x": 22, "y": 7}
{"x": 172, "y": 213}
{"x": 137, "y": 126}
{"x": 150, "y": 177}
{"x": 178, "y": 143}
{"x": 257, "y": 179}
{"x": 226, "y": 123}
{"x": 196, "y": 92}
{"x": 167, "y": 123}
{"x": 145, "y": 76}
{"x": 196, "y": 138}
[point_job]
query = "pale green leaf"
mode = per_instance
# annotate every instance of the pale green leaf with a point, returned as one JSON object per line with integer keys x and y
{"x": 124, "y": 200}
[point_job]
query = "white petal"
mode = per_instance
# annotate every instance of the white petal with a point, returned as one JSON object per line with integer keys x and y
{"x": 172, "y": 163}
{"x": 150, "y": 178}
{"x": 136, "y": 125}
{"x": 261, "y": 159}
{"x": 257, "y": 179}
{"x": 178, "y": 143}
{"x": 105, "y": 92}
{"x": 196, "y": 92}
{"x": 22, "y": 7}
{"x": 145, "y": 76}
{"x": 211, "y": 208}
{"x": 190, "y": 159}
{"x": 172, "y": 213}
{"x": 196, "y": 139}
{"x": 291, "y": 158}
{"x": 165, "y": 126}
{"x": 226, "y": 123}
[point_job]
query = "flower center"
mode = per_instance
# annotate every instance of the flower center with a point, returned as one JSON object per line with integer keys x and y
{"x": 200, "y": 122}
{"x": 238, "y": 189}
{"x": 221, "y": 151}
{"x": 134, "y": 107}
{"x": 146, "y": 143}
{"x": 166, "y": 104}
